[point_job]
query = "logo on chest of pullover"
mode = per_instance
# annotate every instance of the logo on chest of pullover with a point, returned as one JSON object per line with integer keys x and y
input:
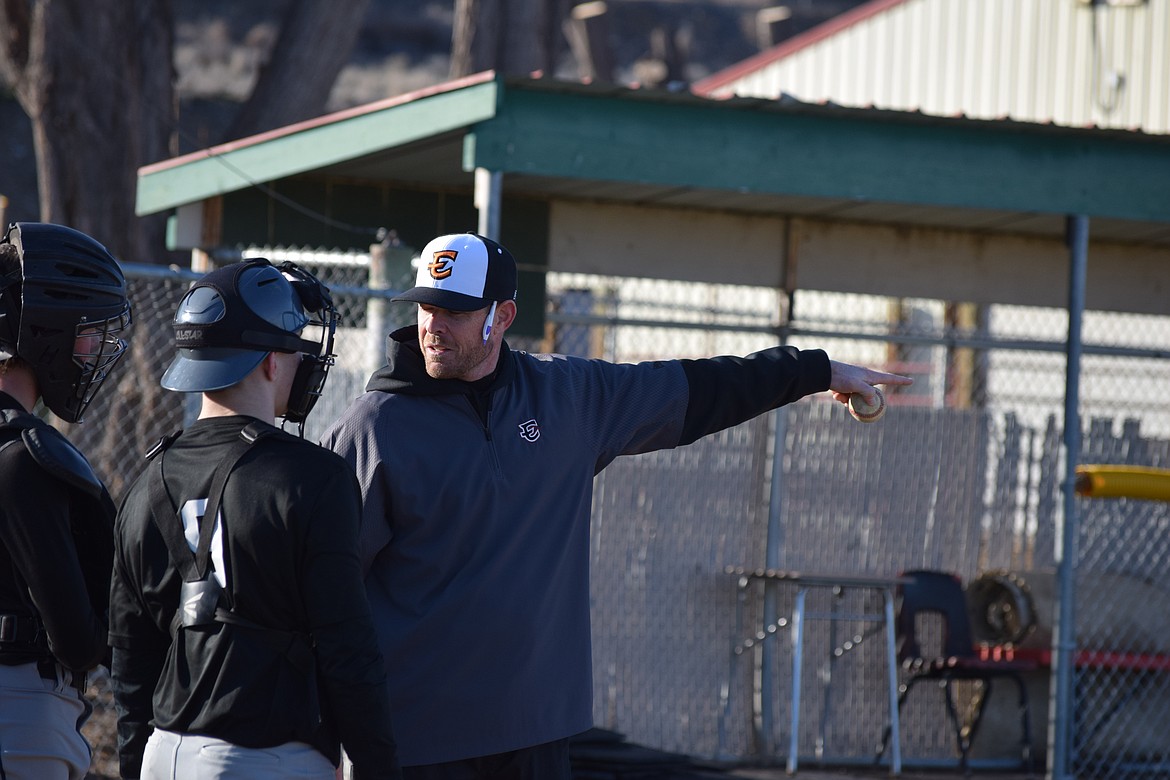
{"x": 529, "y": 431}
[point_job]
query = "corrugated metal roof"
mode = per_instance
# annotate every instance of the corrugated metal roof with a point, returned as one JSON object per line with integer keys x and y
{"x": 722, "y": 83}
{"x": 1068, "y": 62}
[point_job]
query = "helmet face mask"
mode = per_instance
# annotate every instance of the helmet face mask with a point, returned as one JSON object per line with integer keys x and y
{"x": 309, "y": 381}
{"x": 96, "y": 349}
{"x": 63, "y": 316}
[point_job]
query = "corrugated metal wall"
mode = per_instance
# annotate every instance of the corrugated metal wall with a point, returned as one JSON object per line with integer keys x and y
{"x": 1062, "y": 61}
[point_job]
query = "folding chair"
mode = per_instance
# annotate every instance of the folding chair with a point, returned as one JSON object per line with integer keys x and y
{"x": 941, "y": 594}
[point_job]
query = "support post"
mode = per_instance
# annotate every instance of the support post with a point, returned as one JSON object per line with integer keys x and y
{"x": 1062, "y": 704}
{"x": 488, "y": 188}
{"x": 377, "y": 325}
{"x": 774, "y": 547}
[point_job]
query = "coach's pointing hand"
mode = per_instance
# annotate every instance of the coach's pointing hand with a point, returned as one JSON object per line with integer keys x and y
{"x": 847, "y": 379}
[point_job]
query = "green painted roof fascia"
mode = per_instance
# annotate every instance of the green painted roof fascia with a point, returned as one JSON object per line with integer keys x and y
{"x": 858, "y": 155}
{"x": 316, "y": 146}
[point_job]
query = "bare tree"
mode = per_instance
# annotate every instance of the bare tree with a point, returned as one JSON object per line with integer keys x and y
{"x": 95, "y": 79}
{"x": 97, "y": 82}
{"x": 508, "y": 36}
{"x": 315, "y": 43}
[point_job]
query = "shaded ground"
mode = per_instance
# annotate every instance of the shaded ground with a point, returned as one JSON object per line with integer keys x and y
{"x": 597, "y": 755}
{"x": 604, "y": 755}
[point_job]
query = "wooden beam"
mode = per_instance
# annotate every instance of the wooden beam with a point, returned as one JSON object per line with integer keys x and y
{"x": 851, "y": 257}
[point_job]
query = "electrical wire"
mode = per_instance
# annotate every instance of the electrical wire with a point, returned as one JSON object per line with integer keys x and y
{"x": 377, "y": 232}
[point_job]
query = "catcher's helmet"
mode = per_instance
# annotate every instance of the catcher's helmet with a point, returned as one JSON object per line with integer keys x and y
{"x": 61, "y": 312}
{"x": 234, "y": 316}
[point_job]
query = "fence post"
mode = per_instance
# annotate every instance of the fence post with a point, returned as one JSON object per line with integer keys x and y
{"x": 1064, "y": 637}
{"x": 773, "y": 559}
{"x": 377, "y": 326}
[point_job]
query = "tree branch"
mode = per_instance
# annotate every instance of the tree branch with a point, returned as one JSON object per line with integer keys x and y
{"x": 14, "y": 35}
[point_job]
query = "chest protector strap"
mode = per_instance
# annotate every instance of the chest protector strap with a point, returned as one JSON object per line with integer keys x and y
{"x": 200, "y": 592}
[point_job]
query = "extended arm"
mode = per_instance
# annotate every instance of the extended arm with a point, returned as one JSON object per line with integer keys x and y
{"x": 726, "y": 391}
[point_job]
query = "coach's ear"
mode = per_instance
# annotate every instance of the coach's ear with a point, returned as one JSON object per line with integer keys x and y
{"x": 505, "y": 316}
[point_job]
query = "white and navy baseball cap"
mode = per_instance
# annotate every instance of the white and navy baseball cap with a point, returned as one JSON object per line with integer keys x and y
{"x": 463, "y": 272}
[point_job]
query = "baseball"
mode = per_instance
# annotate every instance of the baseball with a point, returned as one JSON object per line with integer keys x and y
{"x": 864, "y": 412}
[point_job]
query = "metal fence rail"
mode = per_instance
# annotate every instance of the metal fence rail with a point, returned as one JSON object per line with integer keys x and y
{"x": 962, "y": 474}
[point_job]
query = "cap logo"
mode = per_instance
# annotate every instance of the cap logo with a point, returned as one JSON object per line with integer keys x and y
{"x": 442, "y": 264}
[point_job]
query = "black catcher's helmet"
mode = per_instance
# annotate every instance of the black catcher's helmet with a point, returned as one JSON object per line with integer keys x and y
{"x": 232, "y": 317}
{"x": 62, "y": 312}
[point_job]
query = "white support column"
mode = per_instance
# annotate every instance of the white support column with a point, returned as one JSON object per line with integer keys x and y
{"x": 488, "y": 188}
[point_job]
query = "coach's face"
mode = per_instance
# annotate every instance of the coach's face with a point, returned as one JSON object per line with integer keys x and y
{"x": 453, "y": 343}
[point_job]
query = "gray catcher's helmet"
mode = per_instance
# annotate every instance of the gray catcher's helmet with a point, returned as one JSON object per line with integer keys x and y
{"x": 235, "y": 315}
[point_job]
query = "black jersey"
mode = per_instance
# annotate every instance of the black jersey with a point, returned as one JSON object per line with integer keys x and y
{"x": 56, "y": 545}
{"x": 285, "y": 554}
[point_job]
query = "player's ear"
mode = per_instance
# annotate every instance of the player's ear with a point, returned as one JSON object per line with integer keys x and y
{"x": 269, "y": 366}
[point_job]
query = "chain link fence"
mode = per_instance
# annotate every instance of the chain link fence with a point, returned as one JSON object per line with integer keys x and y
{"x": 962, "y": 474}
